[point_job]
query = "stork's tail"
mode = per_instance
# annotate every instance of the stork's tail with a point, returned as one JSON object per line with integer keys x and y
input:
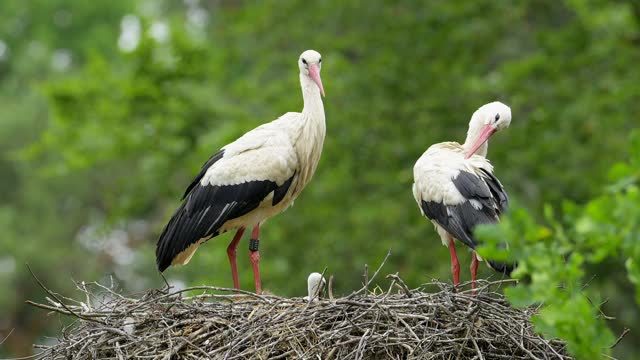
{"x": 501, "y": 267}
{"x": 170, "y": 243}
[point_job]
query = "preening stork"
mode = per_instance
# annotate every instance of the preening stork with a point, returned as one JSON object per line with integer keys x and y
{"x": 455, "y": 188}
{"x": 250, "y": 180}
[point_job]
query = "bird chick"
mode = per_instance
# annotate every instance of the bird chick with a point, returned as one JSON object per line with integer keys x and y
{"x": 315, "y": 286}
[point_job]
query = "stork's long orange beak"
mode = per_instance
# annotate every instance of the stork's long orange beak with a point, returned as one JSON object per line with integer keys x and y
{"x": 314, "y": 72}
{"x": 485, "y": 134}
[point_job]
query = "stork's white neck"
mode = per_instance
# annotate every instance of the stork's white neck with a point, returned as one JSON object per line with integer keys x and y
{"x": 312, "y": 99}
{"x": 475, "y": 127}
{"x": 310, "y": 138}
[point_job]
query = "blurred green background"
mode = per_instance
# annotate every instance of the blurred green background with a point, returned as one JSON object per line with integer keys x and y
{"x": 108, "y": 108}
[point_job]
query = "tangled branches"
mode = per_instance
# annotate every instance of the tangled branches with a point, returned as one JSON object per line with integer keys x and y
{"x": 431, "y": 322}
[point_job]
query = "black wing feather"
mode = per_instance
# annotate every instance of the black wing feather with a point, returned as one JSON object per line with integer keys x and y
{"x": 206, "y": 209}
{"x": 212, "y": 160}
{"x": 473, "y": 187}
{"x": 460, "y": 219}
{"x": 496, "y": 190}
{"x": 280, "y": 192}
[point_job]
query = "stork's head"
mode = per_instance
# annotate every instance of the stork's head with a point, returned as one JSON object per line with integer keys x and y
{"x": 486, "y": 121}
{"x": 310, "y": 63}
{"x": 315, "y": 286}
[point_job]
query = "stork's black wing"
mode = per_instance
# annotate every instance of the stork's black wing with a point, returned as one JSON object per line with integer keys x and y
{"x": 212, "y": 160}
{"x": 497, "y": 191}
{"x": 207, "y": 208}
{"x": 485, "y": 200}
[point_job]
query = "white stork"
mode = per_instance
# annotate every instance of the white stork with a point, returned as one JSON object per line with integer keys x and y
{"x": 315, "y": 286}
{"x": 250, "y": 180}
{"x": 455, "y": 188}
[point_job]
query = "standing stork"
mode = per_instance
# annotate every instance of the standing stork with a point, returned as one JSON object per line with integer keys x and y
{"x": 250, "y": 180}
{"x": 455, "y": 188}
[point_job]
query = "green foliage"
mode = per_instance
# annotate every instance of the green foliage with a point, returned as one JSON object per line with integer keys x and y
{"x": 553, "y": 259}
{"x": 95, "y": 154}
{"x": 40, "y": 41}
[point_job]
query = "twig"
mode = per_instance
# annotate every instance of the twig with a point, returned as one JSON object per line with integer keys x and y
{"x": 165, "y": 281}
{"x": 80, "y": 316}
{"x": 624, "y": 333}
{"x": 320, "y": 289}
{"x": 475, "y": 345}
{"x": 366, "y": 277}
{"x": 400, "y": 283}
{"x": 364, "y": 288}
{"x": 6, "y": 337}
{"x": 330, "y": 288}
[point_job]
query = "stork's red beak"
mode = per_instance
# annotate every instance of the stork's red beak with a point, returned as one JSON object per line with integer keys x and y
{"x": 485, "y": 134}
{"x": 314, "y": 72}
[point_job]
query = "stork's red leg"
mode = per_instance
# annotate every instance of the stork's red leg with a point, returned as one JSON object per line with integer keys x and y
{"x": 474, "y": 270}
{"x": 455, "y": 265}
{"x": 232, "y": 252}
{"x": 254, "y": 257}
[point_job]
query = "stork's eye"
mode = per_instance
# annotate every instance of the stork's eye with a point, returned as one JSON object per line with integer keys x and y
{"x": 319, "y": 61}
{"x": 304, "y": 61}
{"x": 497, "y": 117}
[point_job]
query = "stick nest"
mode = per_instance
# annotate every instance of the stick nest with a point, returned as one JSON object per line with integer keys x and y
{"x": 430, "y": 322}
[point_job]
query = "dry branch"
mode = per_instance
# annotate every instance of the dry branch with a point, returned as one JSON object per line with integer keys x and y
{"x": 210, "y": 322}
